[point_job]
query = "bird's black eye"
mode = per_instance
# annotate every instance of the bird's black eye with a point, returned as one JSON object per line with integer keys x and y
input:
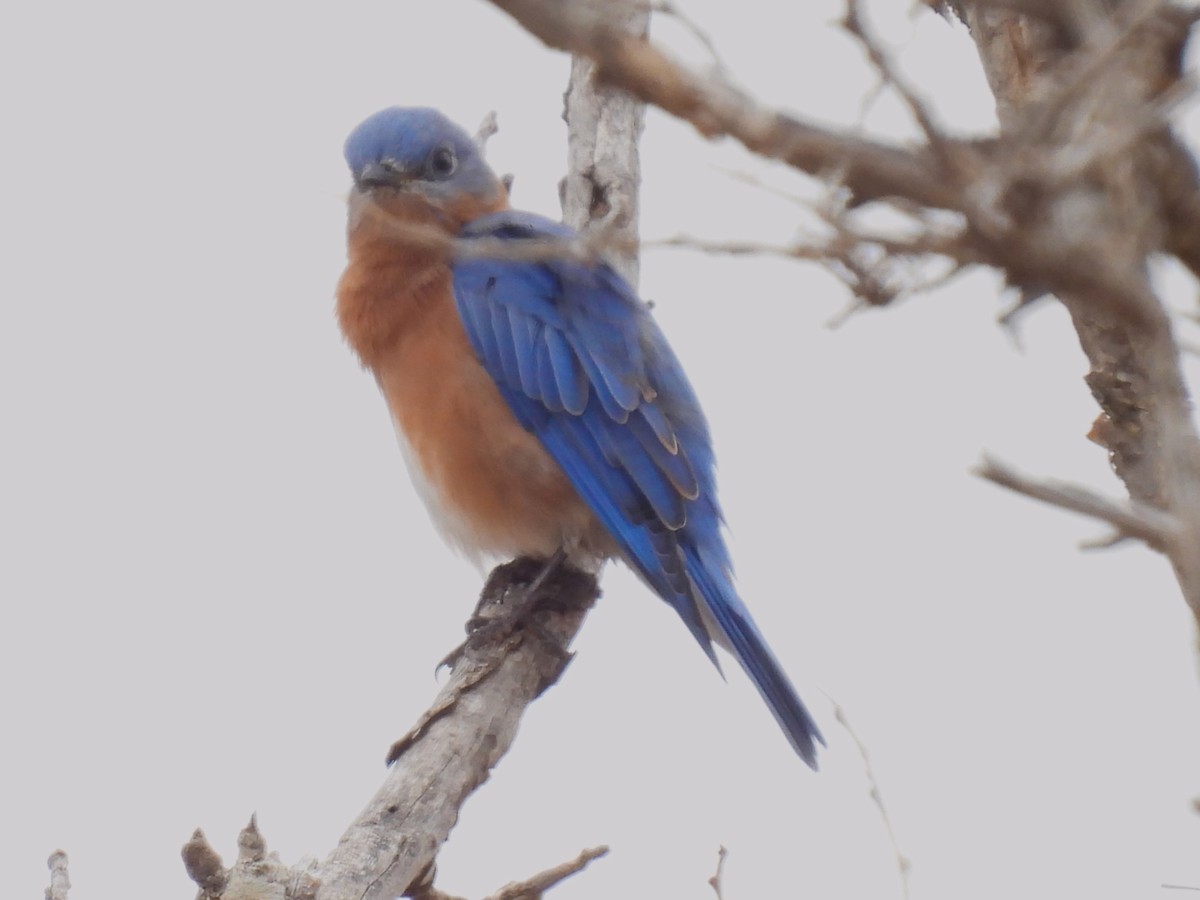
{"x": 442, "y": 162}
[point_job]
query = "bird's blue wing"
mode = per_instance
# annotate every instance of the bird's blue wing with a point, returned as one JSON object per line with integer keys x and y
{"x": 582, "y": 365}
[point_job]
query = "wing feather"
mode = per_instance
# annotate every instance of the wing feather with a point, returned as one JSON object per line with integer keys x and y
{"x": 547, "y": 385}
{"x": 565, "y": 343}
{"x": 582, "y": 366}
{"x": 568, "y": 373}
{"x": 506, "y": 359}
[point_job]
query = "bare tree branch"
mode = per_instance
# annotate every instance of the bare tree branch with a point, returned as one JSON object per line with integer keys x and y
{"x": 667, "y": 8}
{"x": 871, "y": 170}
{"x": 715, "y": 881}
{"x": 855, "y": 24}
{"x": 390, "y": 848}
{"x": 60, "y": 880}
{"x": 532, "y": 888}
{"x": 255, "y": 875}
{"x": 472, "y": 724}
{"x": 487, "y": 128}
{"x": 1115, "y": 216}
{"x": 1130, "y": 519}
{"x": 982, "y": 181}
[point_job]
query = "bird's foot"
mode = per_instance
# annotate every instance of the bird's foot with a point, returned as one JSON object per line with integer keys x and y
{"x": 510, "y": 608}
{"x": 514, "y": 593}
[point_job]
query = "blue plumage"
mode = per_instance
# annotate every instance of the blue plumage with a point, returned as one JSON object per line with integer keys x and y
{"x": 583, "y": 366}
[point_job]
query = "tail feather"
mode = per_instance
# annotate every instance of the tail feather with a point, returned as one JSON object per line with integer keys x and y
{"x": 735, "y": 630}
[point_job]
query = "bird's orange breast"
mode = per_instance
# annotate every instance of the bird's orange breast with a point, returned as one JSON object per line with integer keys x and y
{"x": 489, "y": 484}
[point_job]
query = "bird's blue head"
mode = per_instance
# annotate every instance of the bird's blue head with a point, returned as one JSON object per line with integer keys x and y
{"x": 418, "y": 150}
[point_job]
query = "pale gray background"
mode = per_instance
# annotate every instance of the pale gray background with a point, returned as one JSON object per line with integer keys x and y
{"x": 220, "y": 593}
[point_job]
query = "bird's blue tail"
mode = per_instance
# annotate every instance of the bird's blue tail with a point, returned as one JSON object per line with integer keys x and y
{"x": 737, "y": 632}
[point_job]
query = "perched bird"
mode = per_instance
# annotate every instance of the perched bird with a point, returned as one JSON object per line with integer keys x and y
{"x": 538, "y": 405}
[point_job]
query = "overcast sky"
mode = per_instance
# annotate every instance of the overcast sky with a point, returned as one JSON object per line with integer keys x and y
{"x": 221, "y": 594}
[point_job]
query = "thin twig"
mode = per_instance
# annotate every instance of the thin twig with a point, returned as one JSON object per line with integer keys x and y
{"x": 856, "y": 26}
{"x": 845, "y": 314}
{"x": 1136, "y": 520}
{"x": 738, "y": 248}
{"x": 533, "y": 887}
{"x": 489, "y": 126}
{"x": 667, "y": 8}
{"x": 903, "y": 864}
{"x": 754, "y": 181}
{"x": 948, "y": 246}
{"x": 715, "y": 881}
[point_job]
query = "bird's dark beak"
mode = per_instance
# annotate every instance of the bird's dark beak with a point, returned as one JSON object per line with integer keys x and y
{"x": 381, "y": 174}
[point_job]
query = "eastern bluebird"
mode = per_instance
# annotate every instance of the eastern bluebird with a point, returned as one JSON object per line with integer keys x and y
{"x": 538, "y": 405}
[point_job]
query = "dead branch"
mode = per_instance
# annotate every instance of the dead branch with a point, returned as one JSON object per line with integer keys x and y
{"x": 981, "y": 182}
{"x": 255, "y": 875}
{"x": 396, "y": 838}
{"x": 60, "y": 880}
{"x": 487, "y": 128}
{"x": 391, "y": 847}
{"x": 856, "y": 26}
{"x": 1115, "y": 216}
{"x": 715, "y": 881}
{"x": 1130, "y": 520}
{"x": 870, "y": 169}
{"x": 533, "y": 887}
{"x": 667, "y": 8}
